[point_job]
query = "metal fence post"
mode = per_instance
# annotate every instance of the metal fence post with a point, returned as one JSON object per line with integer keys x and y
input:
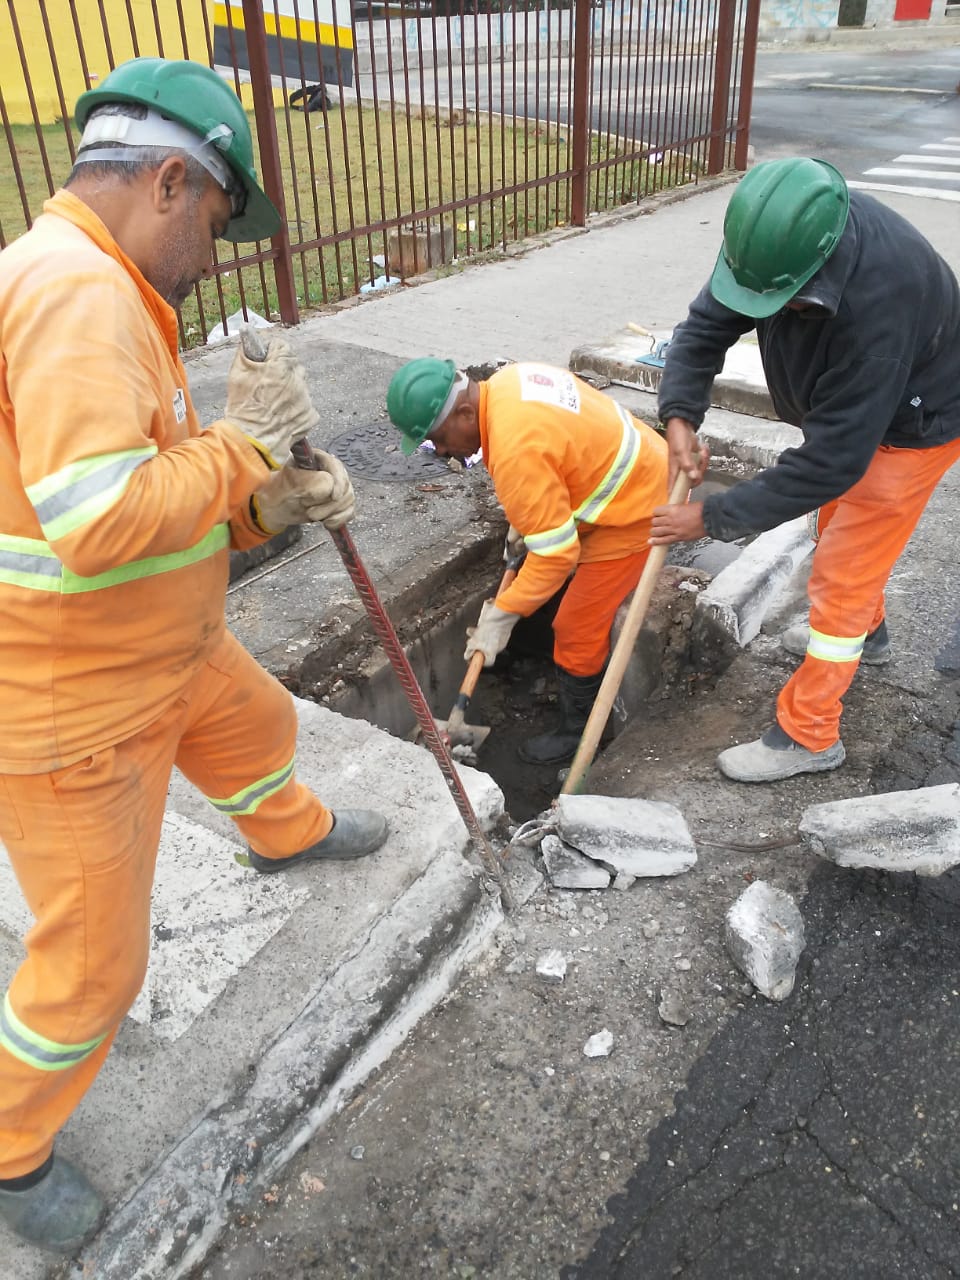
{"x": 748, "y": 64}
{"x": 582, "y": 22}
{"x": 269, "y": 144}
{"x": 722, "y": 68}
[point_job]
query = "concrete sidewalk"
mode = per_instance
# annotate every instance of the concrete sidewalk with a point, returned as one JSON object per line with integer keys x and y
{"x": 287, "y": 992}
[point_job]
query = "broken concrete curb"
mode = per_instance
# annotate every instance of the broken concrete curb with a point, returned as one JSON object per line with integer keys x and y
{"x": 568, "y": 868}
{"x": 916, "y": 831}
{"x": 638, "y": 837}
{"x": 741, "y": 595}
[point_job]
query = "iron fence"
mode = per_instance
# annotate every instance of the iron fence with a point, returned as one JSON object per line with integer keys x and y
{"x": 400, "y": 137}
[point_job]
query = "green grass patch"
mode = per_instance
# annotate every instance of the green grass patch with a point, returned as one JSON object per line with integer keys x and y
{"x": 355, "y": 166}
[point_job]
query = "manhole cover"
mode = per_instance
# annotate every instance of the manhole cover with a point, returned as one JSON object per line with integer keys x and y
{"x": 373, "y": 452}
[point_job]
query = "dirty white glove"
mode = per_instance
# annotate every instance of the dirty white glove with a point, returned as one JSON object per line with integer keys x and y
{"x": 514, "y": 546}
{"x": 269, "y": 402}
{"x": 295, "y": 496}
{"x": 491, "y": 633}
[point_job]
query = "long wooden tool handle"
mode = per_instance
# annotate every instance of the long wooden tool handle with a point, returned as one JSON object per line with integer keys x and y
{"x": 469, "y": 682}
{"x": 610, "y": 685}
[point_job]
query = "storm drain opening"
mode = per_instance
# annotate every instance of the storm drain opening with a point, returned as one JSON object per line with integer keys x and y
{"x": 517, "y": 696}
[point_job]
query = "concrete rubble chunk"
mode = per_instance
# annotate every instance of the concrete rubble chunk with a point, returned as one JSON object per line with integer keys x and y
{"x": 599, "y": 1045}
{"x": 552, "y": 966}
{"x": 568, "y": 868}
{"x": 672, "y": 1009}
{"x": 764, "y": 935}
{"x": 915, "y": 831}
{"x": 635, "y": 837}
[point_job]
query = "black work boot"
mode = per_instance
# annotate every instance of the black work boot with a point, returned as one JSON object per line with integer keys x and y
{"x": 355, "y": 832}
{"x": 55, "y": 1208}
{"x": 576, "y": 697}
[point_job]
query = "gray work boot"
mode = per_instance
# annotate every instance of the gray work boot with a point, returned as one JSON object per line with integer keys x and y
{"x": 355, "y": 832}
{"x": 59, "y": 1212}
{"x": 776, "y": 756}
{"x": 877, "y": 650}
{"x": 576, "y": 696}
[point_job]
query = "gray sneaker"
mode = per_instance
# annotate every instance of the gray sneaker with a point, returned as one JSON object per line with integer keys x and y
{"x": 356, "y": 832}
{"x": 776, "y": 756}
{"x": 59, "y": 1212}
{"x": 877, "y": 650}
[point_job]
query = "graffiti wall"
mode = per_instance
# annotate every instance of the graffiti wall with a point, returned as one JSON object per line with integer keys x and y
{"x": 785, "y": 14}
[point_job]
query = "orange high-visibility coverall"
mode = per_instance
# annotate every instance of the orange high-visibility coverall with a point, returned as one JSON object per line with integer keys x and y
{"x": 861, "y": 536}
{"x": 579, "y": 477}
{"x": 117, "y": 517}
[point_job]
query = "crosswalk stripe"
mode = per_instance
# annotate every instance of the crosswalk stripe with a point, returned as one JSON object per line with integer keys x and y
{"x": 930, "y": 193}
{"x": 940, "y": 146}
{"x": 894, "y": 172}
{"x": 947, "y": 160}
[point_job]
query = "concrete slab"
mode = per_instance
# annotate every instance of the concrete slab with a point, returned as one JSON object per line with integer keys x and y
{"x": 263, "y": 992}
{"x": 916, "y": 831}
{"x": 624, "y": 357}
{"x": 740, "y": 596}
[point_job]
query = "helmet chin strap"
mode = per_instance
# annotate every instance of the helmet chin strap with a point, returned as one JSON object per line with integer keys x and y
{"x": 132, "y": 140}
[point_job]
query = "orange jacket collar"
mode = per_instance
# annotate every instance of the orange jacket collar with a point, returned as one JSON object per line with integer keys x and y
{"x": 66, "y": 205}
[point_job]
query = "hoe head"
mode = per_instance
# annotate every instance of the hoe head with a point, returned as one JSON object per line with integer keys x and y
{"x": 464, "y": 740}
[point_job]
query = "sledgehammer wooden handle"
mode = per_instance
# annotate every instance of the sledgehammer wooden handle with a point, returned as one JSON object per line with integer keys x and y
{"x": 610, "y": 685}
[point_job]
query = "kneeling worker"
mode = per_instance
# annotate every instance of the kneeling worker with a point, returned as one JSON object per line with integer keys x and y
{"x": 577, "y": 477}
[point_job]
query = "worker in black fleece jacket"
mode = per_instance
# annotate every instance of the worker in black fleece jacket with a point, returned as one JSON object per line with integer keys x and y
{"x": 858, "y": 323}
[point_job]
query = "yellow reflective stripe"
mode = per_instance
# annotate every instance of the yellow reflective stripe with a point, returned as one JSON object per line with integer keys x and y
{"x": 250, "y": 798}
{"x": 30, "y": 563}
{"x": 834, "y": 648}
{"x": 36, "y": 1050}
{"x": 79, "y": 493}
{"x": 552, "y": 542}
{"x": 597, "y": 502}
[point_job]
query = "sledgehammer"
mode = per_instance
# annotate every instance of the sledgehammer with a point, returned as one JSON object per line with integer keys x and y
{"x": 471, "y": 737}
{"x": 254, "y": 349}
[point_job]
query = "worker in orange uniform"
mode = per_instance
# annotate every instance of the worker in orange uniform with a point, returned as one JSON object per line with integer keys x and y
{"x": 858, "y": 323}
{"x": 578, "y": 479}
{"x": 118, "y": 515}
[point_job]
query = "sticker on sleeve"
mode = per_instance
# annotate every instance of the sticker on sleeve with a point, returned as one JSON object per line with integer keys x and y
{"x": 550, "y": 386}
{"x": 180, "y": 404}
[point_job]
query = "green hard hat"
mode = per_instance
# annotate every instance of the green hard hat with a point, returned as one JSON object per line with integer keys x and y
{"x": 202, "y": 102}
{"x": 782, "y": 224}
{"x": 417, "y": 393}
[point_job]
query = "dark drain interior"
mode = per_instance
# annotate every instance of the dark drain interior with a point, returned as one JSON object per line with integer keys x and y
{"x": 517, "y": 696}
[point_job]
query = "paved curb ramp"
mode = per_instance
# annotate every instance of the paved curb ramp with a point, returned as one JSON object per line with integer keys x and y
{"x": 270, "y": 999}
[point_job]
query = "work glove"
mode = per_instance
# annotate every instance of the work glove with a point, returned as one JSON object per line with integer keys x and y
{"x": 514, "y": 547}
{"x": 269, "y": 402}
{"x": 491, "y": 633}
{"x": 295, "y": 496}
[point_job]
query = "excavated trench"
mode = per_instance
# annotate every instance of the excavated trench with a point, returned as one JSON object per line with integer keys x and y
{"x": 674, "y": 653}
